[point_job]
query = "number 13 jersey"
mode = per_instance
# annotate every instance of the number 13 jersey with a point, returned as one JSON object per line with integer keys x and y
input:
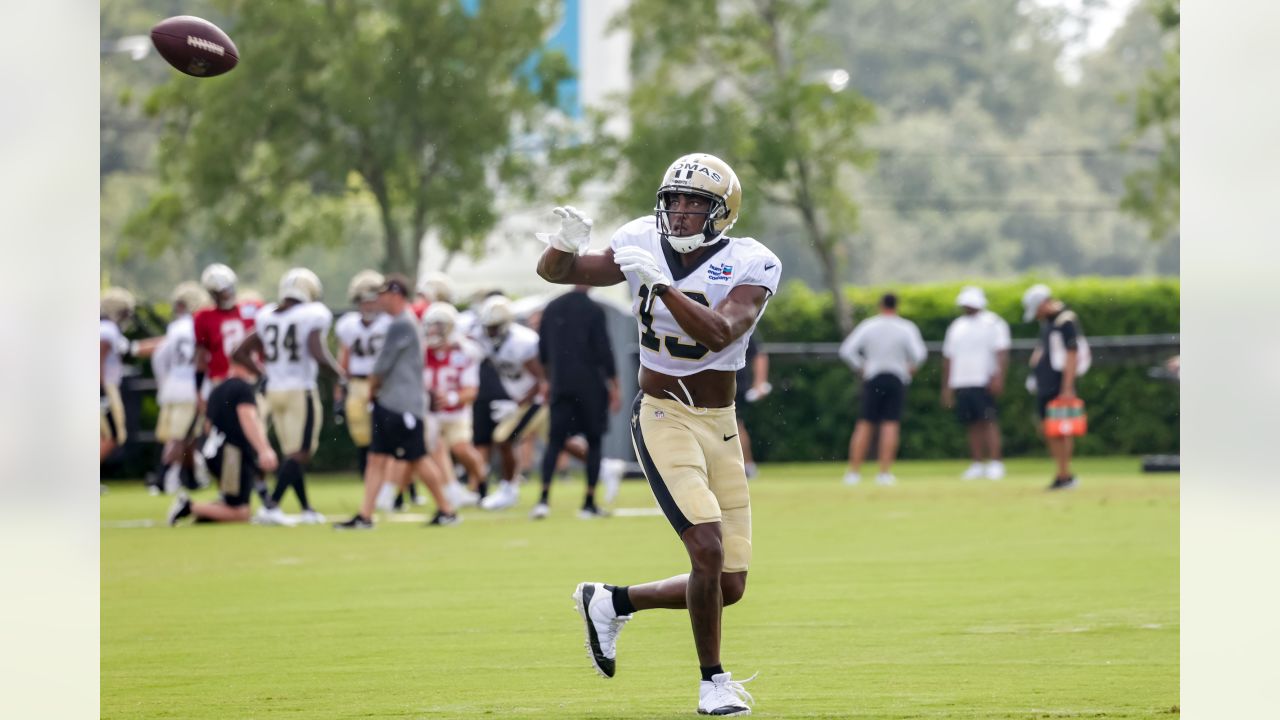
{"x": 664, "y": 345}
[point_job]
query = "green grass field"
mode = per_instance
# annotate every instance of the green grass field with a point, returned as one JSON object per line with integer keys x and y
{"x": 933, "y": 599}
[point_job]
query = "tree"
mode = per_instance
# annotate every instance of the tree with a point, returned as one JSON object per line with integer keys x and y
{"x": 412, "y": 103}
{"x": 745, "y": 80}
{"x": 1152, "y": 194}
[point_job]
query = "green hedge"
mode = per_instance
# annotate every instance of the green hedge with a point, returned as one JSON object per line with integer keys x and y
{"x": 814, "y": 404}
{"x": 812, "y": 410}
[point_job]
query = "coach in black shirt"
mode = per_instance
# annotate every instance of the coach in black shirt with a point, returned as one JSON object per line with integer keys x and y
{"x": 1057, "y": 346}
{"x": 574, "y": 346}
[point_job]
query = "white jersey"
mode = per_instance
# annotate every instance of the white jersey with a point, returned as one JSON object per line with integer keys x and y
{"x": 664, "y": 346}
{"x": 284, "y": 334}
{"x": 363, "y": 341}
{"x": 174, "y": 363}
{"x": 972, "y": 344}
{"x": 113, "y": 370}
{"x": 516, "y": 348}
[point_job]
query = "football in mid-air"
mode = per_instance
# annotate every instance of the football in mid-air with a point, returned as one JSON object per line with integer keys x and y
{"x": 194, "y": 45}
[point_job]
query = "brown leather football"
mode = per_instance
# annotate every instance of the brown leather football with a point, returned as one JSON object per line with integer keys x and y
{"x": 194, "y": 45}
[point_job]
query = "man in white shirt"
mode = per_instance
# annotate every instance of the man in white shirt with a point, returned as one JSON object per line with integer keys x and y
{"x": 886, "y": 350}
{"x": 975, "y": 358}
{"x": 174, "y": 364}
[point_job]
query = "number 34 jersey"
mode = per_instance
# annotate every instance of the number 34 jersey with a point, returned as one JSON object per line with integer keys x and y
{"x": 284, "y": 334}
{"x": 664, "y": 345}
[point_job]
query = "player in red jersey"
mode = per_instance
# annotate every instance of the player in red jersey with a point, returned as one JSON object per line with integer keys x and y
{"x": 452, "y": 377}
{"x": 219, "y": 329}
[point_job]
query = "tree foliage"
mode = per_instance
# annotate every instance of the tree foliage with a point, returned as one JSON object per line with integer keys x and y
{"x": 412, "y": 103}
{"x": 1153, "y": 193}
{"x": 745, "y": 80}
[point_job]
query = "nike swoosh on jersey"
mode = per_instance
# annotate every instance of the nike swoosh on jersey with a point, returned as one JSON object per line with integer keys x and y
{"x": 727, "y": 438}
{"x": 770, "y": 266}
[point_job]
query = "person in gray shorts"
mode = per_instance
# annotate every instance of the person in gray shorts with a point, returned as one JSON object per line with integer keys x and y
{"x": 399, "y": 406}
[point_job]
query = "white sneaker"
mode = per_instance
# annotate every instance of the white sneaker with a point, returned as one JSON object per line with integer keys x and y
{"x": 464, "y": 496}
{"x": 975, "y": 471}
{"x": 386, "y": 499}
{"x": 852, "y": 478}
{"x": 273, "y": 516}
{"x": 419, "y": 500}
{"x": 595, "y": 605}
{"x": 611, "y": 471}
{"x": 995, "y": 470}
{"x": 311, "y": 517}
{"x": 886, "y": 479}
{"x": 724, "y": 696}
{"x": 507, "y": 495}
{"x": 540, "y": 511}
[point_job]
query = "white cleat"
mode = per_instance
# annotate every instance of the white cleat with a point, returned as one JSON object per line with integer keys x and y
{"x": 507, "y": 495}
{"x": 539, "y": 512}
{"x": 995, "y": 470}
{"x": 273, "y": 516}
{"x": 611, "y": 472}
{"x": 886, "y": 479}
{"x": 852, "y": 478}
{"x": 725, "y": 697}
{"x": 976, "y": 470}
{"x": 311, "y": 517}
{"x": 595, "y": 605}
{"x": 463, "y": 496}
{"x": 386, "y": 499}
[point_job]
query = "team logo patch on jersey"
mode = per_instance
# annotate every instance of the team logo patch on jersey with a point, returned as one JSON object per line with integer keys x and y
{"x": 721, "y": 273}
{"x": 658, "y": 414}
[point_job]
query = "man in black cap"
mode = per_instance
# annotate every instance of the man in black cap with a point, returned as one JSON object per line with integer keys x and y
{"x": 399, "y": 406}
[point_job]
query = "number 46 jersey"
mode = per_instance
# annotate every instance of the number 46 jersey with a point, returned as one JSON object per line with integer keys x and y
{"x": 284, "y": 334}
{"x": 664, "y": 346}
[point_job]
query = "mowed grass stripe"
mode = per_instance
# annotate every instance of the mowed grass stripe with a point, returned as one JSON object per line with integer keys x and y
{"x": 935, "y": 598}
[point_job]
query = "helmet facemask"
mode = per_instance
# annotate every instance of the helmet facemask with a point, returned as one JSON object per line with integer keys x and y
{"x": 707, "y": 235}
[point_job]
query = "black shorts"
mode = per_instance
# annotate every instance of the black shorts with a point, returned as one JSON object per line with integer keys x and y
{"x": 882, "y": 398}
{"x": 1042, "y": 403}
{"x": 236, "y": 471}
{"x": 580, "y": 414}
{"x": 975, "y": 404}
{"x": 393, "y": 436}
{"x": 482, "y": 424}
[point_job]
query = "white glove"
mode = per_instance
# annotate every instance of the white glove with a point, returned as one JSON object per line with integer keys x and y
{"x": 754, "y": 395}
{"x": 642, "y": 263}
{"x": 500, "y": 410}
{"x": 575, "y": 232}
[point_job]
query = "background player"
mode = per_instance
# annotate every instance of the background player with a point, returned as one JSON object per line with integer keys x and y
{"x": 573, "y": 345}
{"x": 174, "y": 364}
{"x": 291, "y": 338}
{"x": 513, "y": 350}
{"x": 220, "y": 329}
{"x": 451, "y": 375}
{"x": 399, "y": 408}
{"x": 115, "y": 309}
{"x": 697, "y": 296}
{"x": 236, "y": 451}
{"x": 360, "y": 333}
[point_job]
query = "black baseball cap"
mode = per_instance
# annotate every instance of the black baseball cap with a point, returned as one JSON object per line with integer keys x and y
{"x": 396, "y": 283}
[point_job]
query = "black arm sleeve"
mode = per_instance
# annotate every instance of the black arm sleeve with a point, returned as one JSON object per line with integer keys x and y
{"x": 1069, "y": 335}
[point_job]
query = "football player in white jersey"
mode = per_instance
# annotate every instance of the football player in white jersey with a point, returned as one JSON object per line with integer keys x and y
{"x": 360, "y": 334}
{"x": 174, "y": 364}
{"x": 290, "y": 337}
{"x": 115, "y": 309}
{"x": 513, "y": 350}
{"x": 697, "y": 294}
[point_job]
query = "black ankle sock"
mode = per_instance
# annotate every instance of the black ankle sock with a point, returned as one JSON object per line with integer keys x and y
{"x": 545, "y": 497}
{"x": 483, "y": 489}
{"x": 413, "y": 491}
{"x": 399, "y": 503}
{"x": 621, "y": 600}
{"x": 707, "y": 672}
